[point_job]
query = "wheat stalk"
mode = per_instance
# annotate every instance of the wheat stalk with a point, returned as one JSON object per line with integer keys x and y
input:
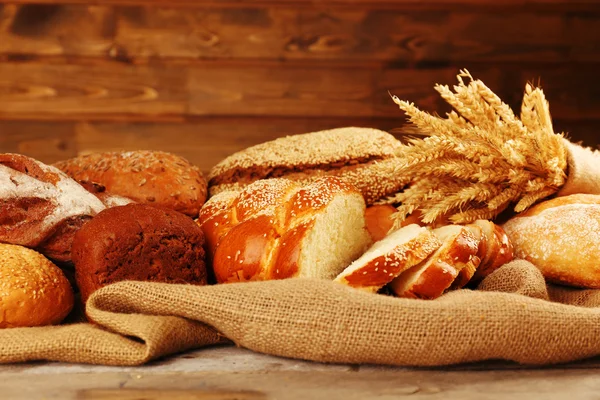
{"x": 481, "y": 158}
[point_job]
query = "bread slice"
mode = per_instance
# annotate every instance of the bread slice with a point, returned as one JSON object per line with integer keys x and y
{"x": 495, "y": 249}
{"x": 389, "y": 257}
{"x": 440, "y": 271}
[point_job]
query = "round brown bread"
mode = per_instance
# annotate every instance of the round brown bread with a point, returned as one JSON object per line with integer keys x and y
{"x": 33, "y": 291}
{"x": 138, "y": 242}
{"x": 561, "y": 237}
{"x": 364, "y": 157}
{"x": 152, "y": 177}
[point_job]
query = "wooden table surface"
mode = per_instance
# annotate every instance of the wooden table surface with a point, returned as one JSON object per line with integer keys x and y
{"x": 227, "y": 372}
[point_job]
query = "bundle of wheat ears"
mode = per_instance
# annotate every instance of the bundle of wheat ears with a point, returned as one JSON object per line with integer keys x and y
{"x": 481, "y": 158}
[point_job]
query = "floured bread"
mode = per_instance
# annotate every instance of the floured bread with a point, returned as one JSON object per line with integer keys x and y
{"x": 562, "y": 238}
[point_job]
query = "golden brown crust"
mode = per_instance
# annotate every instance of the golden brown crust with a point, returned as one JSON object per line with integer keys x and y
{"x": 495, "y": 248}
{"x": 560, "y": 237}
{"x": 431, "y": 283}
{"x": 381, "y": 269}
{"x": 379, "y": 220}
{"x": 152, "y": 177}
{"x": 363, "y": 157}
{"x": 33, "y": 291}
{"x": 258, "y": 232}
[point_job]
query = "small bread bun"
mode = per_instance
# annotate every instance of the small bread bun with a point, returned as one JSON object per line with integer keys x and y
{"x": 152, "y": 177}
{"x": 363, "y": 157}
{"x": 33, "y": 291}
{"x": 138, "y": 242}
{"x": 561, "y": 237}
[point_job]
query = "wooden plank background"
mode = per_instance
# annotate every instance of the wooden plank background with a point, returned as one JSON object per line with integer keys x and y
{"x": 204, "y": 79}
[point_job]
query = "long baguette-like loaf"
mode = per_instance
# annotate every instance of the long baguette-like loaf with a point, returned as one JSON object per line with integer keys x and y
{"x": 41, "y": 207}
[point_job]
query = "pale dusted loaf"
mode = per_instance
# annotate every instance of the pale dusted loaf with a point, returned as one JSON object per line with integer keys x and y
{"x": 278, "y": 228}
{"x": 33, "y": 291}
{"x": 41, "y": 207}
{"x": 364, "y": 157}
{"x": 153, "y": 177}
{"x": 561, "y": 237}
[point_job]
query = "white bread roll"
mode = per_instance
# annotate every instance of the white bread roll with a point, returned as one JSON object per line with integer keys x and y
{"x": 33, "y": 291}
{"x": 561, "y": 237}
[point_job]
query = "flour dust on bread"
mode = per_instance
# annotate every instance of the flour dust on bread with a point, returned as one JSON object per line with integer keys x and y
{"x": 41, "y": 207}
{"x": 152, "y": 177}
{"x": 278, "y": 228}
{"x": 561, "y": 237}
{"x": 364, "y": 157}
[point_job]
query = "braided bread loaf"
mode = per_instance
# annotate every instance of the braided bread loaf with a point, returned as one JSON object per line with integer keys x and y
{"x": 278, "y": 228}
{"x": 41, "y": 207}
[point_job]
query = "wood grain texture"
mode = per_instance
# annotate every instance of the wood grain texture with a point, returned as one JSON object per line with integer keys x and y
{"x": 32, "y": 90}
{"x": 203, "y": 141}
{"x": 388, "y": 4}
{"x": 448, "y": 37}
{"x": 235, "y": 373}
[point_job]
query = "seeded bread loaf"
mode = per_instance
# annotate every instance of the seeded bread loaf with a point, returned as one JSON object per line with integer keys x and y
{"x": 363, "y": 157}
{"x": 41, "y": 207}
{"x": 561, "y": 237}
{"x": 278, "y": 228}
{"x": 138, "y": 242}
{"x": 152, "y": 177}
{"x": 33, "y": 291}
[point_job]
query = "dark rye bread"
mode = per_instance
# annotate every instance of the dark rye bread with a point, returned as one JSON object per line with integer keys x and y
{"x": 138, "y": 242}
{"x": 364, "y": 157}
{"x": 152, "y": 177}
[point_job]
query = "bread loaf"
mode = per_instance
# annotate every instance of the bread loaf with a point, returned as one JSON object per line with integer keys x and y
{"x": 421, "y": 262}
{"x": 152, "y": 177}
{"x": 442, "y": 269}
{"x": 138, "y": 242}
{"x": 33, "y": 291}
{"x": 41, "y": 207}
{"x": 363, "y": 157}
{"x": 561, "y": 237}
{"x": 390, "y": 257}
{"x": 278, "y": 228}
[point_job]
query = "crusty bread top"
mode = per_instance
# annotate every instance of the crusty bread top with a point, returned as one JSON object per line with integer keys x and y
{"x": 335, "y": 147}
{"x": 145, "y": 176}
{"x": 579, "y": 198}
{"x": 33, "y": 291}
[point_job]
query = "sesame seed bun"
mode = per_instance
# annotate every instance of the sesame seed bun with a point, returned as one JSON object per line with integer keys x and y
{"x": 363, "y": 157}
{"x": 34, "y": 291}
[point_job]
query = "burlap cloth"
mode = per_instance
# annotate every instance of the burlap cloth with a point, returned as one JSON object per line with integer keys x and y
{"x": 513, "y": 315}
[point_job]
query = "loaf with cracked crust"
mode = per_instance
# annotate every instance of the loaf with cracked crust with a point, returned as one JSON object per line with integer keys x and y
{"x": 561, "y": 237}
{"x": 41, "y": 207}
{"x": 364, "y": 157}
{"x": 138, "y": 242}
{"x": 278, "y": 228}
{"x": 152, "y": 177}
